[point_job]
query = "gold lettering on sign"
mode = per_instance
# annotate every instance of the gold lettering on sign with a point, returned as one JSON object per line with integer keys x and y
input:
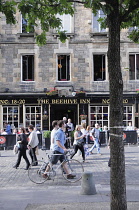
{"x": 43, "y": 101}
{"x": 84, "y": 101}
{"x": 64, "y": 101}
{"x": 107, "y": 101}
{"x": 4, "y": 102}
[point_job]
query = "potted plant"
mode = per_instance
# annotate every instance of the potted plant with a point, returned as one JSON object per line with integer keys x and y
{"x": 46, "y": 137}
{"x": 83, "y": 116}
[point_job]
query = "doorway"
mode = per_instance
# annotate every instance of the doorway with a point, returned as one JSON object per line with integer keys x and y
{"x": 58, "y": 111}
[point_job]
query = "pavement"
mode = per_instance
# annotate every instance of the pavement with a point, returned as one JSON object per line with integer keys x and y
{"x": 17, "y": 192}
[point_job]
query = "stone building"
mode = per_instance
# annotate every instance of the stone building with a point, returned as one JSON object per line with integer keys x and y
{"x": 77, "y": 69}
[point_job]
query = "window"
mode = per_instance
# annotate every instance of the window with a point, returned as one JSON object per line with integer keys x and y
{"x": 25, "y": 24}
{"x": 99, "y": 67}
{"x": 28, "y": 68}
{"x": 128, "y": 115}
{"x": 63, "y": 67}
{"x": 96, "y": 24}
{"x": 134, "y": 66}
{"x": 11, "y": 115}
{"x": 33, "y": 116}
{"x": 66, "y": 22}
{"x": 100, "y": 115}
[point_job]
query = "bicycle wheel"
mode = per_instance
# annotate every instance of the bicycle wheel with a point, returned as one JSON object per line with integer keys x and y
{"x": 36, "y": 171}
{"x": 75, "y": 168}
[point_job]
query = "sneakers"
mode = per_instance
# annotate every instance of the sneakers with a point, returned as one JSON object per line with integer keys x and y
{"x": 70, "y": 176}
{"x": 45, "y": 176}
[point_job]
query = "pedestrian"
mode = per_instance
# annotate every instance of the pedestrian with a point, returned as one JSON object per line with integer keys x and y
{"x": 32, "y": 144}
{"x": 59, "y": 150}
{"x": 96, "y": 137}
{"x": 7, "y": 128}
{"x": 53, "y": 132}
{"x": 22, "y": 141}
{"x": 78, "y": 142}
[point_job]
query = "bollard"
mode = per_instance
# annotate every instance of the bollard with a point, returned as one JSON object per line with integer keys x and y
{"x": 87, "y": 184}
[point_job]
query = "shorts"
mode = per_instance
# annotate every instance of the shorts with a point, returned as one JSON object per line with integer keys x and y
{"x": 57, "y": 157}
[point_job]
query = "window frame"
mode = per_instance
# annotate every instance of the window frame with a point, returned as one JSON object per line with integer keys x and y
{"x": 95, "y": 20}
{"x": 106, "y": 69}
{"x": 135, "y": 64}
{"x": 33, "y": 68}
{"x": 57, "y": 71}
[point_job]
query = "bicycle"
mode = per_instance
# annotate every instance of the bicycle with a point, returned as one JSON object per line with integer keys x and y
{"x": 35, "y": 173}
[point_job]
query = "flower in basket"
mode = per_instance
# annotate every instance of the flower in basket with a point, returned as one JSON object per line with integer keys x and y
{"x": 52, "y": 92}
{"x": 83, "y": 116}
{"x": 137, "y": 90}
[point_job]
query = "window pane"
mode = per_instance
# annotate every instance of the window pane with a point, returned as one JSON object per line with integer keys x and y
{"x": 137, "y": 66}
{"x": 28, "y": 67}
{"x": 63, "y": 67}
{"x": 96, "y": 24}
{"x": 132, "y": 67}
{"x": 99, "y": 67}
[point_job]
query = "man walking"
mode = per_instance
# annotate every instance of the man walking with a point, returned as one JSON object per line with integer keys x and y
{"x": 96, "y": 137}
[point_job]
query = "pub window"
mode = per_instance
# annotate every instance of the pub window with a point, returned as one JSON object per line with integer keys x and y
{"x": 128, "y": 115}
{"x": 100, "y": 115}
{"x": 24, "y": 25}
{"x": 66, "y": 21}
{"x": 33, "y": 116}
{"x": 63, "y": 67}
{"x": 11, "y": 115}
{"x": 134, "y": 66}
{"x": 28, "y": 68}
{"x": 99, "y": 67}
{"x": 96, "y": 24}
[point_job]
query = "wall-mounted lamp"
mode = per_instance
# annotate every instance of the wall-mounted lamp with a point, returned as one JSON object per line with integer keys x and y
{"x": 73, "y": 93}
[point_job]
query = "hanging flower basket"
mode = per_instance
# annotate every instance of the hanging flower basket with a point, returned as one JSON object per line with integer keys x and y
{"x": 137, "y": 90}
{"x": 83, "y": 116}
{"x": 52, "y": 92}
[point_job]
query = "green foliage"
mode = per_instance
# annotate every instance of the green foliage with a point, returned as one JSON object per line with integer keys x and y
{"x": 134, "y": 35}
{"x": 8, "y": 8}
{"x": 47, "y": 134}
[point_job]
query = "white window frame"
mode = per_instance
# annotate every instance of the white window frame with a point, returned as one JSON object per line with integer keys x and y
{"x": 135, "y": 54}
{"x": 22, "y": 68}
{"x": 71, "y": 22}
{"x": 12, "y": 121}
{"x": 106, "y": 68}
{"x": 57, "y": 67}
{"x": 94, "y": 22}
{"x": 32, "y": 113}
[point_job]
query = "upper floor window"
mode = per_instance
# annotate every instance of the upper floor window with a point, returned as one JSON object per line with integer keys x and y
{"x": 66, "y": 20}
{"x": 99, "y": 67}
{"x": 134, "y": 66}
{"x": 28, "y": 68}
{"x": 96, "y": 24}
{"x": 63, "y": 67}
{"x": 25, "y": 25}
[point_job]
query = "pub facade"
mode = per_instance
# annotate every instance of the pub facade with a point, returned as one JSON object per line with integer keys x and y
{"x": 77, "y": 70}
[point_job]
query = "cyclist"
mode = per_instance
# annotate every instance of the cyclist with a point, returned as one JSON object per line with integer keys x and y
{"x": 59, "y": 150}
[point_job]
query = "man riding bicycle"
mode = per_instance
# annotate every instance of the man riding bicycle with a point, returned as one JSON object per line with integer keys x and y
{"x": 59, "y": 150}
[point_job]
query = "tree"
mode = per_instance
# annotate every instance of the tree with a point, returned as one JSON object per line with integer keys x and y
{"x": 119, "y": 14}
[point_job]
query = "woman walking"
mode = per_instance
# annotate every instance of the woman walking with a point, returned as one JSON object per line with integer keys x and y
{"x": 22, "y": 149}
{"x": 78, "y": 142}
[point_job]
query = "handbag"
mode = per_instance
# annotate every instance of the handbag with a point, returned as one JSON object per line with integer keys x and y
{"x": 15, "y": 149}
{"x": 80, "y": 142}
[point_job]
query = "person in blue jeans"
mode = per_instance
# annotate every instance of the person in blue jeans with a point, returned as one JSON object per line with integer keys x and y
{"x": 96, "y": 136}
